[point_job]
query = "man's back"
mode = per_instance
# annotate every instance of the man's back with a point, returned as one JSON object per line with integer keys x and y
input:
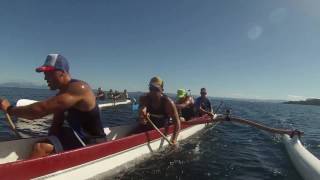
{"x": 84, "y": 116}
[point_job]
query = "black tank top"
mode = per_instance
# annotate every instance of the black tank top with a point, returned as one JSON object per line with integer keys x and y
{"x": 187, "y": 112}
{"x": 163, "y": 118}
{"x": 86, "y": 123}
{"x": 160, "y": 110}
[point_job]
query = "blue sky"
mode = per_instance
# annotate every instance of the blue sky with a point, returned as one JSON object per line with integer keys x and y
{"x": 266, "y": 49}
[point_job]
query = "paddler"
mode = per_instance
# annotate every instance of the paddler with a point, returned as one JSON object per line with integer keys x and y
{"x": 74, "y": 102}
{"x": 203, "y": 105}
{"x": 159, "y": 108}
{"x": 100, "y": 94}
{"x": 110, "y": 94}
{"x": 125, "y": 94}
{"x": 184, "y": 104}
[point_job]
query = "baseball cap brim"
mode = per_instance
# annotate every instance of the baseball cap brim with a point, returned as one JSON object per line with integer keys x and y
{"x": 180, "y": 96}
{"x": 45, "y": 69}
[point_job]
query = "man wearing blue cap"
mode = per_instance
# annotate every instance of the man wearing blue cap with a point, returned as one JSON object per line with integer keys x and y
{"x": 74, "y": 98}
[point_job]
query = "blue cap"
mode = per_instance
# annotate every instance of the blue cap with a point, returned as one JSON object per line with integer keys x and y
{"x": 54, "y": 62}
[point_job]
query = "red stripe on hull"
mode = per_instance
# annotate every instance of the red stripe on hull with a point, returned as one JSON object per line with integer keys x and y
{"x": 27, "y": 169}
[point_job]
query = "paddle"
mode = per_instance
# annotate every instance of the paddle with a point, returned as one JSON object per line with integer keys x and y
{"x": 134, "y": 105}
{"x": 206, "y": 119}
{"x": 12, "y": 126}
{"x": 221, "y": 102}
{"x": 157, "y": 129}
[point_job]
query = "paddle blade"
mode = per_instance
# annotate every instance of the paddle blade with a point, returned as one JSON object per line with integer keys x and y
{"x": 25, "y": 102}
{"x": 135, "y": 107}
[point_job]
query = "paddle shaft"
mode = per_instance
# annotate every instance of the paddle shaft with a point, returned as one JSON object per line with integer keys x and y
{"x": 157, "y": 129}
{"x": 12, "y": 126}
{"x": 218, "y": 108}
{"x": 157, "y": 116}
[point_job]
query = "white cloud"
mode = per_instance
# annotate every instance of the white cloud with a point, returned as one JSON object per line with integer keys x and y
{"x": 255, "y": 32}
{"x": 278, "y": 15}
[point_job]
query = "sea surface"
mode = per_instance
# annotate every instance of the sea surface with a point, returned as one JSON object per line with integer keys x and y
{"x": 227, "y": 151}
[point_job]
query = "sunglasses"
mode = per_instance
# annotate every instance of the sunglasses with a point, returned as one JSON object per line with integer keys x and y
{"x": 152, "y": 88}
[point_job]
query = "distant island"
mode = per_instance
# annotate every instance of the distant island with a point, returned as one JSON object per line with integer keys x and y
{"x": 313, "y": 101}
{"x": 22, "y": 85}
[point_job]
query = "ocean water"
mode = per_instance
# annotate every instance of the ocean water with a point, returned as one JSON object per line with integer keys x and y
{"x": 227, "y": 151}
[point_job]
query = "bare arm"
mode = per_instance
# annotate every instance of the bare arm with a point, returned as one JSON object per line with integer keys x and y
{"x": 142, "y": 110}
{"x": 100, "y": 95}
{"x": 203, "y": 111}
{"x": 73, "y": 95}
{"x": 173, "y": 113}
{"x": 39, "y": 109}
{"x": 186, "y": 103}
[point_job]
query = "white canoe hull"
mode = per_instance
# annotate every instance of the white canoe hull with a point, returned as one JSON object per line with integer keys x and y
{"x": 306, "y": 163}
{"x": 113, "y": 162}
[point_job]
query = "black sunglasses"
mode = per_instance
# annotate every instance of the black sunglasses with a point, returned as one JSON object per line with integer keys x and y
{"x": 152, "y": 88}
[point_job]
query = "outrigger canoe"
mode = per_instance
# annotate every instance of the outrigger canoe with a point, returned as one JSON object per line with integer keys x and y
{"x": 89, "y": 161}
{"x": 304, "y": 161}
{"x": 105, "y": 105}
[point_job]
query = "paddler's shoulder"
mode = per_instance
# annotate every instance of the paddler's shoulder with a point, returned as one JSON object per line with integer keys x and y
{"x": 78, "y": 87}
{"x": 143, "y": 99}
{"x": 168, "y": 100}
